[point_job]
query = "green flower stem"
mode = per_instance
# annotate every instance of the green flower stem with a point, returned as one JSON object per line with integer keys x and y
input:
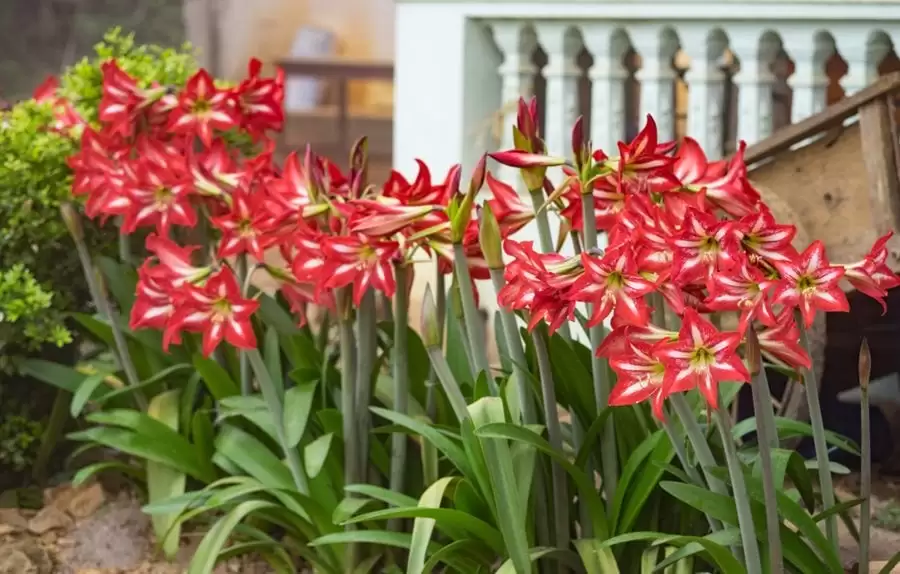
{"x": 517, "y": 354}
{"x": 348, "y": 404}
{"x": 123, "y": 353}
{"x": 865, "y": 479}
{"x": 474, "y": 325}
{"x": 560, "y": 506}
{"x": 243, "y": 280}
{"x": 367, "y": 341}
{"x": 818, "y": 430}
{"x": 762, "y": 404}
{"x": 689, "y": 468}
{"x": 322, "y": 333}
{"x": 698, "y": 442}
{"x": 545, "y": 240}
{"x": 440, "y": 287}
{"x": 449, "y": 383}
{"x": 124, "y": 245}
{"x": 741, "y": 498}
{"x": 276, "y": 410}
{"x": 608, "y": 458}
{"x": 401, "y": 382}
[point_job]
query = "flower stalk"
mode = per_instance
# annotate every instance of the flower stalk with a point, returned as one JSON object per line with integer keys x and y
{"x": 472, "y": 317}
{"x": 241, "y": 271}
{"x": 762, "y": 404}
{"x": 865, "y": 464}
{"x": 741, "y": 498}
{"x": 401, "y": 381}
{"x": 818, "y": 431}
{"x": 367, "y": 340}
{"x": 431, "y": 338}
{"x": 608, "y": 457}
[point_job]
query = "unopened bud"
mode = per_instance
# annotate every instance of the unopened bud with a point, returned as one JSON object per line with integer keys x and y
{"x": 490, "y": 238}
{"x": 578, "y": 142}
{"x": 477, "y": 181}
{"x": 431, "y": 326}
{"x": 72, "y": 220}
{"x": 865, "y": 364}
{"x": 754, "y": 361}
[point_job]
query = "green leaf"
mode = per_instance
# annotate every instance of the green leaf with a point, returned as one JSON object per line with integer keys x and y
{"x": 211, "y": 546}
{"x": 120, "y": 279}
{"x": 460, "y": 555}
{"x": 536, "y": 554}
{"x": 423, "y": 527}
{"x": 254, "y": 458}
{"x": 378, "y": 537}
{"x": 448, "y": 448}
{"x": 163, "y": 481}
{"x": 298, "y": 402}
{"x": 383, "y": 494}
{"x": 251, "y": 407}
{"x": 87, "y": 389}
{"x": 635, "y": 462}
{"x": 597, "y": 558}
{"x": 217, "y": 380}
{"x": 87, "y": 472}
{"x": 510, "y": 515}
{"x": 788, "y": 428}
{"x": 316, "y": 453}
{"x": 60, "y": 376}
{"x": 272, "y": 355}
{"x": 727, "y": 537}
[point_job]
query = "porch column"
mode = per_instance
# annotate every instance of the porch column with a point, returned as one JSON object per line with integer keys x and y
{"x": 706, "y": 88}
{"x": 657, "y": 47}
{"x": 756, "y": 50}
{"x": 607, "y": 46}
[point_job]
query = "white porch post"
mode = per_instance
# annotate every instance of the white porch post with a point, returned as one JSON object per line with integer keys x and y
{"x": 607, "y": 46}
{"x": 517, "y": 43}
{"x": 756, "y": 51}
{"x": 863, "y": 52}
{"x": 657, "y": 47}
{"x": 706, "y": 87}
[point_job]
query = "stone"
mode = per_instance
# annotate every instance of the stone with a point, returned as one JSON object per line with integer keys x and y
{"x": 17, "y": 562}
{"x": 49, "y": 518}
{"x": 12, "y": 518}
{"x": 26, "y": 557}
{"x": 86, "y": 501}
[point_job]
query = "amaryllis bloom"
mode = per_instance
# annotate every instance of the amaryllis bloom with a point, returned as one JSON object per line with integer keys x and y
{"x": 507, "y": 206}
{"x": 421, "y": 191}
{"x": 153, "y": 304}
{"x": 780, "y": 343}
{"x": 872, "y": 276}
{"x": 643, "y": 156}
{"x": 723, "y": 183}
{"x": 247, "y": 227}
{"x": 609, "y": 201}
{"x": 65, "y": 115}
{"x": 702, "y": 357}
{"x": 742, "y": 288}
{"x": 809, "y": 283}
{"x": 611, "y": 284}
{"x": 260, "y": 100}
{"x": 217, "y": 310}
{"x": 174, "y": 267}
{"x": 361, "y": 262}
{"x": 704, "y": 246}
{"x": 524, "y": 159}
{"x": 640, "y": 377}
{"x": 160, "y": 197}
{"x": 203, "y": 108}
{"x": 383, "y": 217}
{"x": 762, "y": 236}
{"x": 297, "y": 190}
{"x": 617, "y": 341}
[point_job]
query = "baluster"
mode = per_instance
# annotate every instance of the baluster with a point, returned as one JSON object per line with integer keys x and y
{"x": 809, "y": 82}
{"x": 562, "y": 43}
{"x": 756, "y": 52}
{"x": 657, "y": 76}
{"x": 863, "y": 53}
{"x": 706, "y": 88}
{"x": 517, "y": 43}
{"x": 607, "y": 46}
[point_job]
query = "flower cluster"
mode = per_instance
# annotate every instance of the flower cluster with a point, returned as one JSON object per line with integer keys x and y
{"x": 161, "y": 161}
{"x": 686, "y": 237}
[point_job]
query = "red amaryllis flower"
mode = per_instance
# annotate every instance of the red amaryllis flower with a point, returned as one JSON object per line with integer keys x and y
{"x": 175, "y": 267}
{"x": 260, "y": 100}
{"x": 524, "y": 159}
{"x": 618, "y": 340}
{"x": 762, "y": 236}
{"x": 202, "y": 108}
{"x": 780, "y": 342}
{"x": 643, "y": 156}
{"x": 65, "y": 115}
{"x": 702, "y": 357}
{"x": 507, "y": 206}
{"x": 383, "y": 216}
{"x": 160, "y": 197}
{"x": 527, "y": 286}
{"x": 809, "y": 282}
{"x": 218, "y": 311}
{"x": 872, "y": 276}
{"x": 611, "y": 284}
{"x": 704, "y": 246}
{"x": 153, "y": 304}
{"x": 360, "y": 261}
{"x": 246, "y": 227}
{"x": 742, "y": 288}
{"x": 724, "y": 183}
{"x": 422, "y": 191}
{"x": 640, "y": 376}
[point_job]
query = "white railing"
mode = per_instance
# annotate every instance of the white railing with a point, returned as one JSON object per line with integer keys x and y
{"x": 716, "y": 70}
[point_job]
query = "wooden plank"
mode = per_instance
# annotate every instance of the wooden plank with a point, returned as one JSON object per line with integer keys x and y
{"x": 879, "y": 159}
{"x": 832, "y": 116}
{"x": 338, "y": 68}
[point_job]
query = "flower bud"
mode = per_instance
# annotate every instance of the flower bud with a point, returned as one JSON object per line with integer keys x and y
{"x": 431, "y": 325}
{"x": 578, "y": 142}
{"x": 521, "y": 159}
{"x": 490, "y": 238}
{"x": 865, "y": 364}
{"x": 477, "y": 181}
{"x": 526, "y": 118}
{"x": 72, "y": 220}
{"x": 754, "y": 361}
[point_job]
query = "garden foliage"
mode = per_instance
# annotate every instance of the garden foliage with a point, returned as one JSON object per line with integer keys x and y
{"x": 354, "y": 444}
